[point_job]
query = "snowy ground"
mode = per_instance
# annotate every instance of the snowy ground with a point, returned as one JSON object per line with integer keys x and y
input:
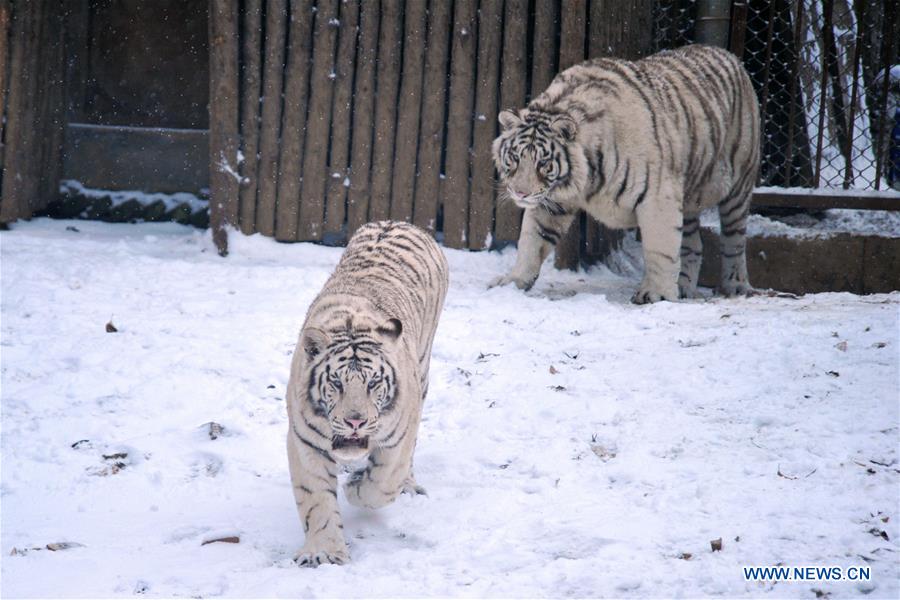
{"x": 573, "y": 444}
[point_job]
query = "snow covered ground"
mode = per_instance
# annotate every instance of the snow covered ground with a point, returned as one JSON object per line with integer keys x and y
{"x": 572, "y": 445}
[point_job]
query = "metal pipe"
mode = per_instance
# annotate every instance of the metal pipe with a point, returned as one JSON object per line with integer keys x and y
{"x": 713, "y": 22}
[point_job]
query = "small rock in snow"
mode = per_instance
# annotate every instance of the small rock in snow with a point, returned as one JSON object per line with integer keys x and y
{"x": 215, "y": 430}
{"x": 63, "y": 546}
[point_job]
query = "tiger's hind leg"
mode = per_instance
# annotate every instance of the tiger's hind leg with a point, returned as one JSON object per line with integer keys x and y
{"x": 733, "y": 214}
{"x": 691, "y": 256}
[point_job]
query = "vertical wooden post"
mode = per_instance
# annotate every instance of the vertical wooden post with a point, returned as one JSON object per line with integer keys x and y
{"x": 431, "y": 132}
{"x": 621, "y": 30}
{"x": 512, "y": 96}
{"x": 315, "y": 154}
{"x": 481, "y": 203}
{"x": 386, "y": 108}
{"x": 34, "y": 108}
{"x": 403, "y": 187}
{"x": 223, "y": 120}
{"x": 338, "y": 169}
{"x": 544, "y": 47}
{"x": 293, "y": 122}
{"x": 54, "y": 115}
{"x": 20, "y": 112}
{"x": 251, "y": 64}
{"x": 459, "y": 124}
{"x": 5, "y": 16}
{"x": 571, "y": 52}
{"x": 363, "y": 110}
{"x": 738, "y": 28}
{"x": 273, "y": 68}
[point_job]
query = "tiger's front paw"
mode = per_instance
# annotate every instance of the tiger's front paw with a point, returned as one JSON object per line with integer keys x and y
{"x": 521, "y": 283}
{"x": 313, "y": 555}
{"x": 412, "y": 488}
{"x": 648, "y": 293}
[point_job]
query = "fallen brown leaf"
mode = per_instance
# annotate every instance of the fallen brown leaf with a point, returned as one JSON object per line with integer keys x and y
{"x": 231, "y": 539}
{"x": 716, "y": 545}
{"x": 110, "y": 328}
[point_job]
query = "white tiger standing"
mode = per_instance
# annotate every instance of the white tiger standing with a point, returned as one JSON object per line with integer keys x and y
{"x": 650, "y": 144}
{"x": 359, "y": 376}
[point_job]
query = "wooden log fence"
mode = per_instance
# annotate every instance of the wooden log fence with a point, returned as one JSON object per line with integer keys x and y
{"x": 356, "y": 110}
{"x": 326, "y": 114}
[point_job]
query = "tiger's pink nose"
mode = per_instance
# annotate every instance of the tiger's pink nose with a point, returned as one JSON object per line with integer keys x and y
{"x": 355, "y": 423}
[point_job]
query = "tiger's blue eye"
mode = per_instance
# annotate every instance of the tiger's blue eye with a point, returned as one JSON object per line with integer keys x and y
{"x": 337, "y": 385}
{"x": 372, "y": 384}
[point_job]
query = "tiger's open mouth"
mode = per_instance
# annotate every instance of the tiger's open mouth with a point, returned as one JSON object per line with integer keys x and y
{"x": 353, "y": 441}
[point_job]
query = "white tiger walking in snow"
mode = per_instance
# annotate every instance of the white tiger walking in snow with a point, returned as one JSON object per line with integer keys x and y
{"x": 650, "y": 144}
{"x": 359, "y": 376}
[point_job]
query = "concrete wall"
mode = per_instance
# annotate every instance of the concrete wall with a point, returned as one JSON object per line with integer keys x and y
{"x": 838, "y": 263}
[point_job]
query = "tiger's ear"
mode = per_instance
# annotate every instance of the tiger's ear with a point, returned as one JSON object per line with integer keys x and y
{"x": 565, "y": 127}
{"x": 313, "y": 341}
{"x": 392, "y": 328}
{"x": 508, "y": 119}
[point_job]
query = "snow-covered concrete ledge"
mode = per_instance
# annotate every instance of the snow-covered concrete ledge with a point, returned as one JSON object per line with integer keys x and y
{"x": 837, "y": 262}
{"x": 128, "y": 206}
{"x": 825, "y": 198}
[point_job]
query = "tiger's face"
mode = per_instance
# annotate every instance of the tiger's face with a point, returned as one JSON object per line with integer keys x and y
{"x": 533, "y": 156}
{"x": 352, "y": 383}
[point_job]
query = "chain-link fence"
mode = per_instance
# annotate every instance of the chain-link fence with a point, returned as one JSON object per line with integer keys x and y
{"x": 827, "y": 90}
